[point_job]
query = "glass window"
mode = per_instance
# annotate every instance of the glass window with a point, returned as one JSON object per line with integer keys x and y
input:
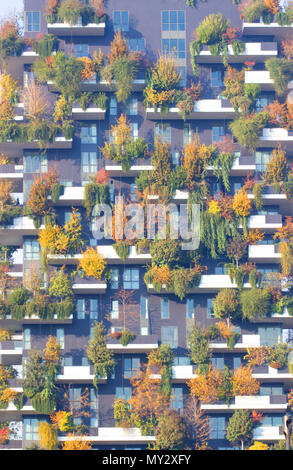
{"x": 275, "y": 420}
{"x": 132, "y": 107}
{"x": 217, "y": 78}
{"x": 163, "y": 131}
{"x": 113, "y": 106}
{"x": 261, "y": 160}
{"x": 94, "y": 309}
{"x": 269, "y": 335}
{"x": 114, "y": 278}
{"x": 218, "y": 133}
{"x": 271, "y": 389}
{"x": 80, "y": 307}
{"x": 35, "y": 163}
{"x": 218, "y": 362}
{"x": 121, "y": 20}
{"x": 27, "y": 338}
{"x": 115, "y": 309}
{"x": 217, "y": 427}
{"x": 181, "y": 361}
{"x": 131, "y": 367}
{"x": 89, "y": 134}
{"x": 136, "y": 44}
{"x": 30, "y": 429}
{"x": 190, "y": 308}
{"x": 187, "y": 134}
{"x": 164, "y": 309}
{"x": 169, "y": 335}
{"x": 174, "y": 47}
{"x": 81, "y": 50}
{"x": 236, "y": 362}
{"x": 134, "y": 130}
{"x": 131, "y": 278}
{"x": 60, "y": 337}
{"x": 89, "y": 162}
{"x": 31, "y": 249}
{"x": 262, "y": 101}
{"x": 123, "y": 392}
{"x": 176, "y": 398}
{"x": 210, "y": 307}
{"x": 32, "y": 21}
{"x": 173, "y": 21}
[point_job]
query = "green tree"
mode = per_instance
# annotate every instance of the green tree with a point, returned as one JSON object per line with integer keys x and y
{"x": 99, "y": 354}
{"x": 61, "y": 285}
{"x": 34, "y": 374}
{"x": 170, "y": 431}
{"x": 255, "y": 303}
{"x": 226, "y": 304}
{"x": 199, "y": 346}
{"x": 240, "y": 428}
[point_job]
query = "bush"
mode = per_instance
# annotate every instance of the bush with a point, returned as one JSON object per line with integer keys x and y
{"x": 126, "y": 337}
{"x": 19, "y": 296}
{"x": 198, "y": 345}
{"x": 46, "y": 46}
{"x": 281, "y": 71}
{"x": 248, "y": 129}
{"x": 226, "y": 303}
{"x": 212, "y": 28}
{"x": 255, "y": 303}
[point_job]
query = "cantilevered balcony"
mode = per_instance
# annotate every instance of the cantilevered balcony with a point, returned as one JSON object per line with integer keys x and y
{"x": 203, "y": 109}
{"x": 101, "y": 85}
{"x": 268, "y": 433}
{"x": 264, "y": 253}
{"x": 91, "y": 113}
{"x": 269, "y": 374}
{"x": 264, "y": 29}
{"x": 241, "y": 166}
{"x": 243, "y": 342}
{"x": 106, "y": 251}
{"x": 261, "y": 78}
{"x": 179, "y": 196}
{"x": 78, "y": 375}
{"x": 12, "y": 235}
{"x": 65, "y": 29}
{"x": 266, "y": 403}
{"x": 254, "y": 51}
{"x": 116, "y": 170}
{"x": 84, "y": 285}
{"x": 11, "y": 172}
{"x": 267, "y": 222}
{"x": 11, "y": 350}
{"x": 272, "y": 137}
{"x": 113, "y": 435}
{"x": 140, "y": 344}
{"x": 181, "y": 374}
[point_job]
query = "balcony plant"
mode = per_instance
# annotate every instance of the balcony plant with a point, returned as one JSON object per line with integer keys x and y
{"x": 255, "y": 303}
{"x": 281, "y": 71}
{"x": 242, "y": 96}
{"x": 98, "y": 354}
{"x": 170, "y": 432}
{"x": 92, "y": 263}
{"x": 11, "y": 42}
{"x": 225, "y": 305}
{"x": 240, "y": 428}
{"x": 48, "y": 435}
{"x": 124, "y": 148}
{"x": 46, "y": 45}
{"x": 207, "y": 386}
{"x": 248, "y": 129}
{"x": 8, "y": 207}
{"x": 278, "y": 355}
{"x": 198, "y": 343}
{"x": 95, "y": 193}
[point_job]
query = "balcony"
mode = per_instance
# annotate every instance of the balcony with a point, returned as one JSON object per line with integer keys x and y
{"x": 91, "y": 113}
{"x": 114, "y": 435}
{"x": 264, "y": 253}
{"x": 84, "y": 285}
{"x": 102, "y": 86}
{"x": 65, "y": 29}
{"x": 254, "y": 51}
{"x": 261, "y": 78}
{"x": 78, "y": 375}
{"x": 134, "y": 170}
{"x": 264, "y": 29}
{"x": 241, "y": 166}
{"x": 140, "y": 344}
{"x": 178, "y": 197}
{"x": 108, "y": 252}
{"x": 274, "y": 136}
{"x": 267, "y": 222}
{"x": 266, "y": 373}
{"x": 268, "y": 403}
{"x": 72, "y": 195}
{"x": 244, "y": 341}
{"x": 268, "y": 433}
{"x": 203, "y": 109}
{"x": 13, "y": 234}
{"x": 11, "y": 351}
{"x": 183, "y": 373}
{"x": 11, "y": 172}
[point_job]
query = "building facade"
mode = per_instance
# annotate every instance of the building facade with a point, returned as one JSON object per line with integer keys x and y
{"x": 155, "y": 316}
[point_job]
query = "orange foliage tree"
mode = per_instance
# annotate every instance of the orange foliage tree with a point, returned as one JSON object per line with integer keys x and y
{"x": 208, "y": 386}
{"x": 243, "y": 383}
{"x": 52, "y": 351}
{"x": 76, "y": 443}
{"x": 92, "y": 263}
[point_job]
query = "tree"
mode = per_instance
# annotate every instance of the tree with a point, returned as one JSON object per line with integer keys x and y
{"x": 240, "y": 428}
{"x": 199, "y": 346}
{"x": 92, "y": 263}
{"x": 170, "y": 432}
{"x": 34, "y": 374}
{"x": 52, "y": 351}
{"x": 61, "y": 285}
{"x": 76, "y": 443}
{"x": 208, "y": 386}
{"x": 99, "y": 354}
{"x": 226, "y": 304}
{"x": 48, "y": 435}
{"x": 198, "y": 423}
{"x": 255, "y": 303}
{"x": 36, "y": 103}
{"x": 243, "y": 383}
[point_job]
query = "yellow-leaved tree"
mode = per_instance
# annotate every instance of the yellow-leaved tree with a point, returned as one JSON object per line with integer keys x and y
{"x": 92, "y": 263}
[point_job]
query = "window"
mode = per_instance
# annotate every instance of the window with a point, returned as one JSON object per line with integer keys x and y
{"x": 28, "y": 75}
{"x": 30, "y": 429}
{"x": 32, "y": 21}
{"x": 27, "y": 338}
{"x": 80, "y": 307}
{"x": 113, "y": 106}
{"x": 163, "y": 130}
{"x": 114, "y": 278}
{"x": 269, "y": 335}
{"x": 131, "y": 367}
{"x": 181, "y": 361}
{"x": 218, "y": 362}
{"x": 173, "y": 21}
{"x": 177, "y": 398}
{"x": 174, "y": 47}
{"x": 123, "y": 392}
{"x": 132, "y": 107}
{"x": 175, "y": 158}
{"x": 67, "y": 361}
{"x": 81, "y": 50}
{"x": 134, "y": 130}
{"x": 262, "y": 101}
{"x": 94, "y": 309}
{"x": 217, "y": 78}
{"x": 35, "y": 163}
{"x": 187, "y": 134}
{"x": 190, "y": 308}
{"x": 217, "y": 427}
{"x": 144, "y": 315}
{"x": 261, "y": 160}
{"x": 169, "y": 335}
{"x": 164, "y": 309}
{"x": 31, "y": 249}
{"x": 60, "y": 337}
{"x": 115, "y": 310}
{"x": 236, "y": 362}
{"x": 275, "y": 420}
{"x": 121, "y": 21}
{"x": 236, "y": 187}
{"x": 271, "y": 389}
{"x": 136, "y": 44}
{"x": 218, "y": 133}
{"x": 131, "y": 278}
{"x": 210, "y": 307}
{"x": 89, "y": 134}
{"x": 89, "y": 162}
{"x": 133, "y": 189}
{"x": 112, "y": 191}
{"x": 183, "y": 75}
